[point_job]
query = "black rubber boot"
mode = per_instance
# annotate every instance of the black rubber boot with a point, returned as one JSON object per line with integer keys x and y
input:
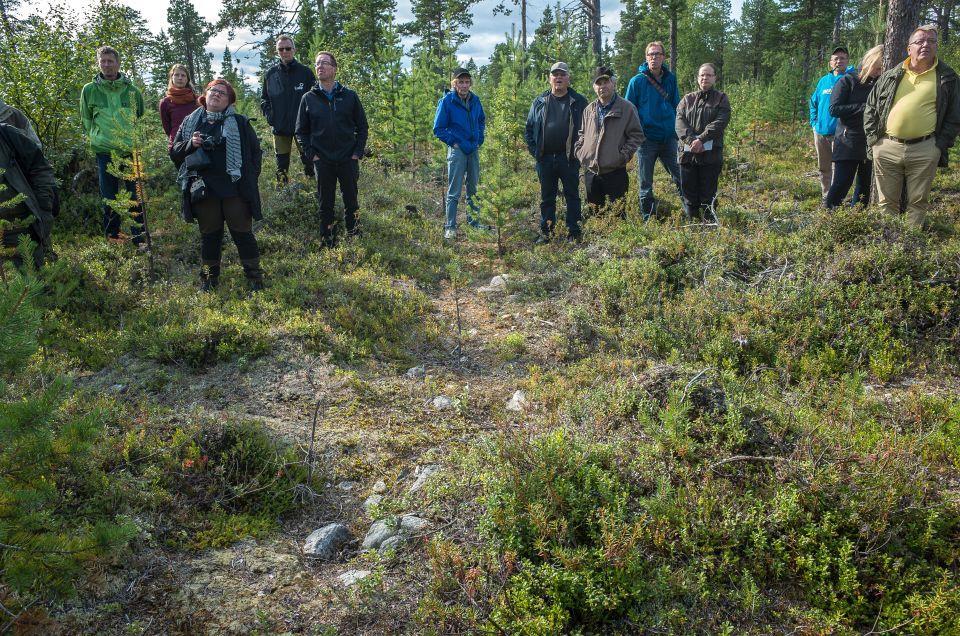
{"x": 283, "y": 167}
{"x": 209, "y": 277}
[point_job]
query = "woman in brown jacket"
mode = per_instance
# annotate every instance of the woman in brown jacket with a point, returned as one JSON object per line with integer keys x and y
{"x": 702, "y": 117}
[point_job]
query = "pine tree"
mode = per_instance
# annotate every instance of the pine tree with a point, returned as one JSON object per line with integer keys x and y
{"x": 189, "y": 34}
{"x": 440, "y": 26}
{"x": 229, "y": 72}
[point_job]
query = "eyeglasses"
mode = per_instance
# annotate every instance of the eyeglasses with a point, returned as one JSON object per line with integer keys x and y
{"x": 216, "y": 91}
{"x": 325, "y": 63}
{"x": 657, "y": 54}
{"x": 284, "y": 48}
{"x": 931, "y": 42}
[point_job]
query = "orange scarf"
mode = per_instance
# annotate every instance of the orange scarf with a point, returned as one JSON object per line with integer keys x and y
{"x": 183, "y": 95}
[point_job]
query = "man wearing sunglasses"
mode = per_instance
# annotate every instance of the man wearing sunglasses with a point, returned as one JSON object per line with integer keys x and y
{"x": 284, "y": 85}
{"x": 912, "y": 118}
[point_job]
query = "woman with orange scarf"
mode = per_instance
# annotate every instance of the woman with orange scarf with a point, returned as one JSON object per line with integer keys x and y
{"x": 180, "y": 101}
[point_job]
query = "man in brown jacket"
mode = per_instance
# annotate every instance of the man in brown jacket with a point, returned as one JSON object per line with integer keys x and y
{"x": 609, "y": 137}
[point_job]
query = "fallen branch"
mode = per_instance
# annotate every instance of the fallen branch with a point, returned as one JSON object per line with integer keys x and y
{"x": 748, "y": 458}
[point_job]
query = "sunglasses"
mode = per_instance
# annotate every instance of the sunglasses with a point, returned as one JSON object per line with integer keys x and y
{"x": 284, "y": 48}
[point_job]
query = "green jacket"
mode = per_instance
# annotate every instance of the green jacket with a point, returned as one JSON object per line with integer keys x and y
{"x": 880, "y": 101}
{"x": 27, "y": 172}
{"x": 108, "y": 109}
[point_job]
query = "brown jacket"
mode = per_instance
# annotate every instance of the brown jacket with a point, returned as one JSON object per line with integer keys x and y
{"x": 606, "y": 148}
{"x": 702, "y": 115}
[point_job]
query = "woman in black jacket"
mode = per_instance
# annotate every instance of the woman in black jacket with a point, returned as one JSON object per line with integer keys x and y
{"x": 847, "y": 102}
{"x": 218, "y": 155}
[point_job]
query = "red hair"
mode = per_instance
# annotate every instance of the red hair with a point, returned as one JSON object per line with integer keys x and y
{"x": 231, "y": 94}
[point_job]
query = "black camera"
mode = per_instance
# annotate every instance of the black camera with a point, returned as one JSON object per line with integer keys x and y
{"x": 207, "y": 142}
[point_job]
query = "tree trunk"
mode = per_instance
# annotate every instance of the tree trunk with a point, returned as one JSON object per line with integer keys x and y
{"x": 944, "y": 13}
{"x": 592, "y": 10}
{"x": 902, "y": 19}
{"x": 674, "y": 62}
{"x": 837, "y": 23}
{"x": 523, "y": 23}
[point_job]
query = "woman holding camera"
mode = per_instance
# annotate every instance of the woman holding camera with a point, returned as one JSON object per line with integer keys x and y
{"x": 218, "y": 155}
{"x": 180, "y": 101}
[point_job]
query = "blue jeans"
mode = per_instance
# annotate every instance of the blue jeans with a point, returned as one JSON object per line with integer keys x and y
{"x": 550, "y": 169}
{"x": 109, "y": 187}
{"x": 460, "y": 167}
{"x": 647, "y": 155}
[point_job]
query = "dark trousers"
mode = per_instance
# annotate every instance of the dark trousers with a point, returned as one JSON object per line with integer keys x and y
{"x": 552, "y": 169}
{"x": 328, "y": 174}
{"x": 109, "y": 188}
{"x": 698, "y": 187}
{"x": 211, "y": 214}
{"x": 843, "y": 174}
{"x": 607, "y": 187}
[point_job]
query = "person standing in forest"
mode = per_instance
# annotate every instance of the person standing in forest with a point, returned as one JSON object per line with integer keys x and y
{"x": 332, "y": 129}
{"x": 847, "y": 104}
{"x": 702, "y": 117}
{"x": 26, "y": 172}
{"x": 553, "y": 126}
{"x": 16, "y": 118}
{"x": 911, "y": 121}
{"x": 461, "y": 124}
{"x": 284, "y": 85}
{"x": 611, "y": 133}
{"x": 654, "y": 93}
{"x": 109, "y": 106}
{"x": 180, "y": 101}
{"x": 824, "y": 125}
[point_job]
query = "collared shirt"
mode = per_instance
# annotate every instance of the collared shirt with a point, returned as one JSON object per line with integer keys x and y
{"x": 914, "y": 110}
{"x": 603, "y": 110}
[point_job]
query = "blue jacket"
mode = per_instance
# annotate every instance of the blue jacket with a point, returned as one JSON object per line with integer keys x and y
{"x": 657, "y": 115}
{"x": 454, "y": 124}
{"x": 820, "y": 119}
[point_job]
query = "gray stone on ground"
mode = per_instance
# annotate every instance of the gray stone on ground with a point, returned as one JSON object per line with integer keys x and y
{"x": 347, "y": 485}
{"x": 371, "y": 501}
{"x": 380, "y": 487}
{"x": 379, "y": 532}
{"x": 442, "y": 402}
{"x": 327, "y": 541}
{"x": 518, "y": 402}
{"x": 415, "y": 373}
{"x": 351, "y": 577}
{"x": 393, "y": 543}
{"x": 497, "y": 284}
{"x": 412, "y": 524}
{"x": 423, "y": 474}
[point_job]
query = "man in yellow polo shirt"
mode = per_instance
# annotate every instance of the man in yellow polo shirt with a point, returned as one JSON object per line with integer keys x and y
{"x": 912, "y": 118}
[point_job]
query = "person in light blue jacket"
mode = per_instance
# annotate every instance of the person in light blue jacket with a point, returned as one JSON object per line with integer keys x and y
{"x": 460, "y": 123}
{"x": 653, "y": 91}
{"x": 820, "y": 120}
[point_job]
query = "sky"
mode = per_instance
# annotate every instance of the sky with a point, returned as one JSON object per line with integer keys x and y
{"x": 487, "y": 30}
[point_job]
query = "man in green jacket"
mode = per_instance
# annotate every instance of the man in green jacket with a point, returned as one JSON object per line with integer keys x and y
{"x": 109, "y": 107}
{"x": 911, "y": 119}
{"x": 25, "y": 172}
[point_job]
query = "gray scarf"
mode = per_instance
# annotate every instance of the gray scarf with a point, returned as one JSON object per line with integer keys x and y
{"x": 231, "y": 132}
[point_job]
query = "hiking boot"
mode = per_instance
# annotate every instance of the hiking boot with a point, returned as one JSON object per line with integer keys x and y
{"x": 542, "y": 239}
{"x": 209, "y": 278}
{"x": 575, "y": 238}
{"x": 449, "y": 234}
{"x": 477, "y": 225}
{"x": 255, "y": 285}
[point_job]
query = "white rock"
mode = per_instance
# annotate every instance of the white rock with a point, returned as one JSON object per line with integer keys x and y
{"x": 379, "y": 532}
{"x": 371, "y": 501}
{"x": 415, "y": 373}
{"x": 423, "y": 474}
{"x": 500, "y": 281}
{"x": 380, "y": 487}
{"x": 412, "y": 524}
{"x": 347, "y": 485}
{"x": 351, "y": 577}
{"x": 518, "y": 402}
{"x": 442, "y": 402}
{"x": 327, "y": 541}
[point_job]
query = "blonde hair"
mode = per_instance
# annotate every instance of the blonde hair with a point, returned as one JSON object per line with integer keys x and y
{"x": 174, "y": 69}
{"x": 870, "y": 58}
{"x": 656, "y": 43}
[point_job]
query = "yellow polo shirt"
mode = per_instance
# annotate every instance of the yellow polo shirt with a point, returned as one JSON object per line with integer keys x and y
{"x": 914, "y": 110}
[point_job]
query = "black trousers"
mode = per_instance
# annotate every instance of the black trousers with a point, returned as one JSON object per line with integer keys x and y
{"x": 211, "y": 214}
{"x": 843, "y": 174}
{"x": 698, "y": 185}
{"x": 606, "y": 188}
{"x": 329, "y": 173}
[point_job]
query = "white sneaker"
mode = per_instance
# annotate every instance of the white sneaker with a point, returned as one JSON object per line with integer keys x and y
{"x": 449, "y": 234}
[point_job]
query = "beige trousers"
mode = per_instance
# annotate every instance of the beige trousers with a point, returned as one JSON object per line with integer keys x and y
{"x": 824, "y": 147}
{"x": 894, "y": 162}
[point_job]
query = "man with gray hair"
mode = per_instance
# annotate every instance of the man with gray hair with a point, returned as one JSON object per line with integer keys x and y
{"x": 911, "y": 119}
{"x": 284, "y": 85}
{"x": 552, "y": 130}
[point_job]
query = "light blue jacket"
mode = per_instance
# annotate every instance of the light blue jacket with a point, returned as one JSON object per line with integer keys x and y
{"x": 820, "y": 119}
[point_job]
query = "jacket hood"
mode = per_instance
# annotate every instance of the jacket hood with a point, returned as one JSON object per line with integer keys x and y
{"x": 5, "y": 109}
{"x": 121, "y": 80}
{"x": 646, "y": 67}
{"x": 337, "y": 88}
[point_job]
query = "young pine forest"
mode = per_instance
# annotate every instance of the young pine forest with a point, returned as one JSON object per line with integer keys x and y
{"x": 746, "y": 423}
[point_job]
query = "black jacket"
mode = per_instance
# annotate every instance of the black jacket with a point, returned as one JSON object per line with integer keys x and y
{"x": 332, "y": 129}
{"x": 847, "y": 103}
{"x": 251, "y": 156}
{"x": 536, "y": 119}
{"x": 284, "y": 85}
{"x": 27, "y": 172}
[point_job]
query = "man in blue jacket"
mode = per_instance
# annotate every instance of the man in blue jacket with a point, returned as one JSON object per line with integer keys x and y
{"x": 553, "y": 126}
{"x": 820, "y": 120}
{"x": 460, "y": 123}
{"x": 654, "y": 93}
